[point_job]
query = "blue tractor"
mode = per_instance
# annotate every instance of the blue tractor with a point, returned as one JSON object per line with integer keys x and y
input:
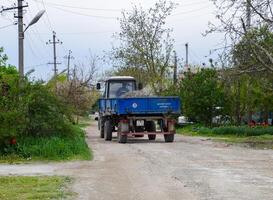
{"x": 134, "y": 116}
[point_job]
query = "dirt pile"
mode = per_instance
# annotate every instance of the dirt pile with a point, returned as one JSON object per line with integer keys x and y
{"x": 145, "y": 92}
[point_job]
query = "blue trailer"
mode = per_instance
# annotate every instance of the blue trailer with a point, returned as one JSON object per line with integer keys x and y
{"x": 135, "y": 116}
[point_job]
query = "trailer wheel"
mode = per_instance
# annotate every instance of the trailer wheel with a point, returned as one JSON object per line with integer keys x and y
{"x": 151, "y": 137}
{"x": 169, "y": 137}
{"x": 122, "y": 138}
{"x": 101, "y": 128}
{"x": 108, "y": 130}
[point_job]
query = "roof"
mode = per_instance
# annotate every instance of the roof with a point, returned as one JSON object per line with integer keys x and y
{"x": 120, "y": 78}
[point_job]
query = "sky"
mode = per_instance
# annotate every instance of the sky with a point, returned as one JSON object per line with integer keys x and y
{"x": 85, "y": 26}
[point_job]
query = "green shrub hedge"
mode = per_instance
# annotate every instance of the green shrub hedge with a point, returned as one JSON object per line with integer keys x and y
{"x": 30, "y": 109}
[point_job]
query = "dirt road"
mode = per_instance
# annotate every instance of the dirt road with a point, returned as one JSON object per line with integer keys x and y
{"x": 190, "y": 168}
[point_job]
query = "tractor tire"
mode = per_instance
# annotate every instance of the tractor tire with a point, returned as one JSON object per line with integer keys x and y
{"x": 108, "y": 130}
{"x": 122, "y": 138}
{"x": 169, "y": 137}
{"x": 101, "y": 128}
{"x": 151, "y": 137}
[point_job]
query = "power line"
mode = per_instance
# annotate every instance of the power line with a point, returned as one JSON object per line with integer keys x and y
{"x": 38, "y": 65}
{"x": 193, "y": 3}
{"x": 190, "y": 11}
{"x": 4, "y": 18}
{"x": 47, "y": 17}
{"x": 30, "y": 47}
{"x": 82, "y": 14}
{"x": 48, "y": 24}
{"x": 192, "y": 52}
{"x": 7, "y": 26}
{"x": 32, "y": 41}
{"x": 46, "y": 21}
{"x": 80, "y": 33}
{"x": 82, "y": 8}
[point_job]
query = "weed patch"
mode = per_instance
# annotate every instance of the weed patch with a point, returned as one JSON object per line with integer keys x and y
{"x": 34, "y": 188}
{"x": 55, "y": 148}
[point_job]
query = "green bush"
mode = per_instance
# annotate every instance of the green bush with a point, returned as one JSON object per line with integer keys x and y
{"x": 30, "y": 109}
{"x": 46, "y": 115}
{"x": 12, "y": 110}
{"x": 204, "y": 131}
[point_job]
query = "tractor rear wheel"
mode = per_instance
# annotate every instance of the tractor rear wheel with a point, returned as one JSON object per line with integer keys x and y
{"x": 169, "y": 137}
{"x": 122, "y": 138}
{"x": 101, "y": 128}
{"x": 151, "y": 137}
{"x": 108, "y": 130}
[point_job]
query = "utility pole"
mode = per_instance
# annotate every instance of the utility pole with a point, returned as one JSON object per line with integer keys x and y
{"x": 248, "y": 14}
{"x": 20, "y": 38}
{"x": 175, "y": 69}
{"x": 20, "y": 23}
{"x": 54, "y": 42}
{"x": 187, "y": 55}
{"x": 69, "y": 57}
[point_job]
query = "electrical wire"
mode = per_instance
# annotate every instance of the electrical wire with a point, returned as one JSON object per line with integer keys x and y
{"x": 49, "y": 22}
{"x": 190, "y": 11}
{"x": 6, "y": 26}
{"x": 78, "y": 7}
{"x": 7, "y": 19}
{"x": 37, "y": 36}
{"x": 38, "y": 65}
{"x": 82, "y": 14}
{"x": 30, "y": 47}
{"x": 193, "y": 3}
{"x": 79, "y": 33}
{"x": 194, "y": 54}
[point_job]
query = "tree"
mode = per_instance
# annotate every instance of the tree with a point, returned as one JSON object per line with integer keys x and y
{"x": 247, "y": 27}
{"x": 138, "y": 73}
{"x": 145, "y": 44}
{"x": 247, "y": 94}
{"x": 248, "y": 56}
{"x": 202, "y": 95}
{"x": 78, "y": 92}
{"x": 237, "y": 18}
{"x": 3, "y": 57}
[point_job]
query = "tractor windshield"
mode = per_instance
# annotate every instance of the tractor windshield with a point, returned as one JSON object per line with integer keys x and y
{"x": 119, "y": 88}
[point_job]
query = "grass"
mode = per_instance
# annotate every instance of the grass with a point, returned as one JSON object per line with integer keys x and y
{"x": 259, "y": 137}
{"x": 55, "y": 148}
{"x": 261, "y": 142}
{"x": 21, "y": 188}
{"x": 85, "y": 121}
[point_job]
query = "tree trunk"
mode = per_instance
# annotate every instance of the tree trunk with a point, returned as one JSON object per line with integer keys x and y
{"x": 265, "y": 115}
{"x": 238, "y": 104}
{"x": 249, "y": 109}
